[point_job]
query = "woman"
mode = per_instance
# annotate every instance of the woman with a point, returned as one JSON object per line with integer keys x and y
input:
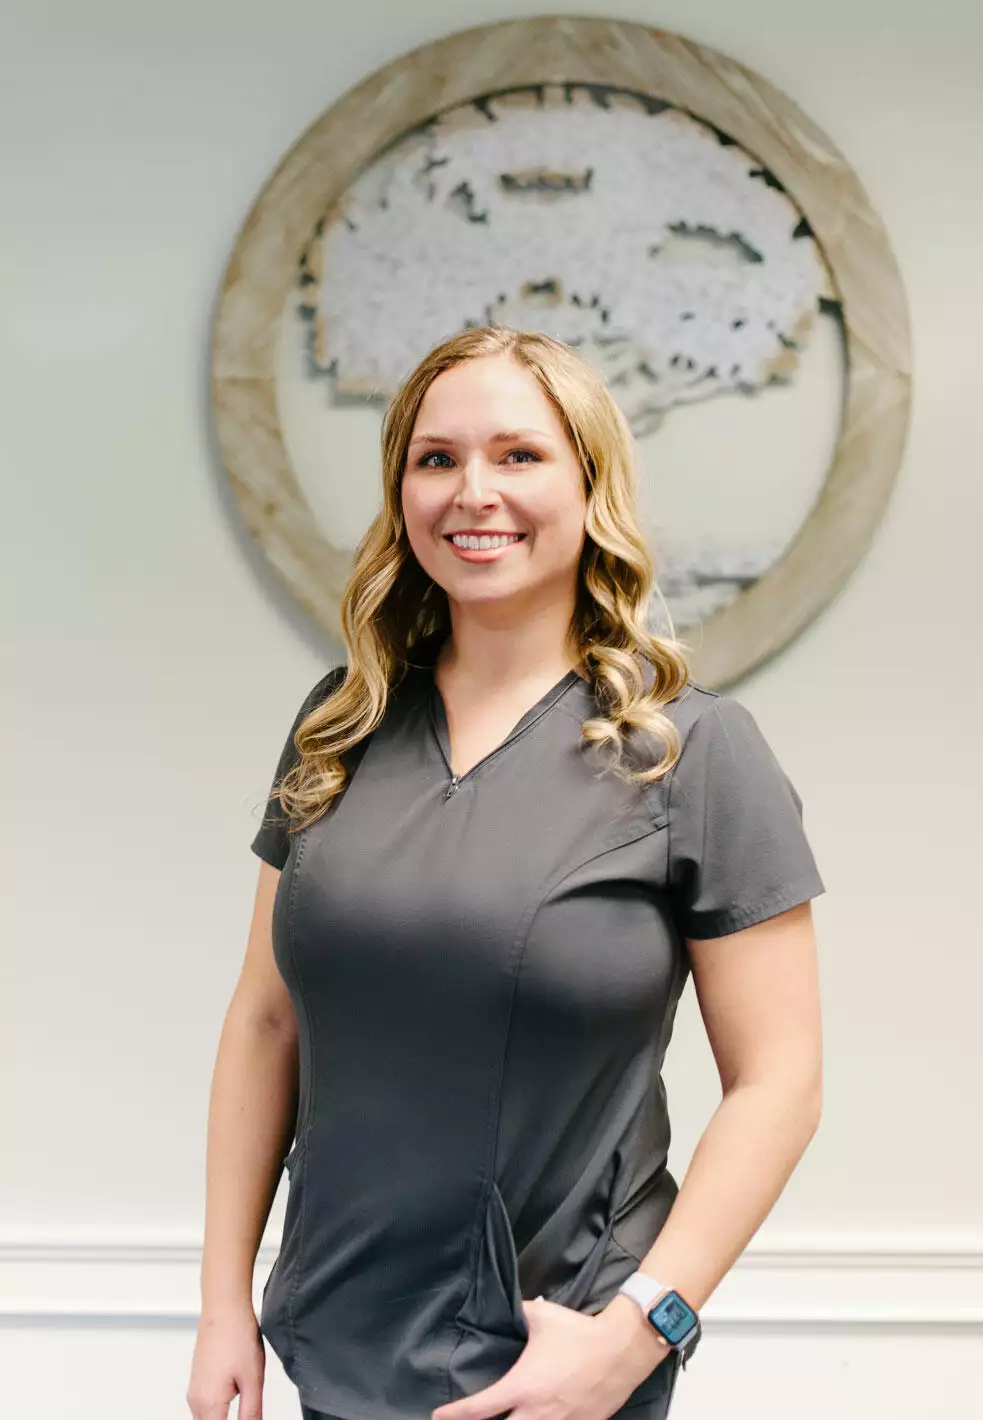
{"x": 495, "y": 847}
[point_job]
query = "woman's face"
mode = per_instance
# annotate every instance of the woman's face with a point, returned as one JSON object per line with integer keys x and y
{"x": 489, "y": 458}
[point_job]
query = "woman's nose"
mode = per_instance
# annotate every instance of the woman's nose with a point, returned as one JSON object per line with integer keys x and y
{"x": 476, "y": 485}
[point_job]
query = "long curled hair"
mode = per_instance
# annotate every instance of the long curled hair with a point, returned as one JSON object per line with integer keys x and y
{"x": 390, "y": 604}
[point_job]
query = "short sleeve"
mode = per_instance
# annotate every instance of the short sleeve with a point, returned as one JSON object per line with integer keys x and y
{"x": 738, "y": 852}
{"x": 272, "y": 840}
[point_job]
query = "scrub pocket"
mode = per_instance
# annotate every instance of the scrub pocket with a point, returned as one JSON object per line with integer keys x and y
{"x": 654, "y": 1407}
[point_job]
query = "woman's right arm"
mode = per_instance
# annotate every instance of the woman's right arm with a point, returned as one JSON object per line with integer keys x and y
{"x": 252, "y": 1115}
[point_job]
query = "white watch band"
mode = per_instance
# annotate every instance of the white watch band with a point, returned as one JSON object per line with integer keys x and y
{"x": 645, "y": 1290}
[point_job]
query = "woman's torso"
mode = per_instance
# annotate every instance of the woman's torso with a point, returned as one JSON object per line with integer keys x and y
{"x": 485, "y": 974}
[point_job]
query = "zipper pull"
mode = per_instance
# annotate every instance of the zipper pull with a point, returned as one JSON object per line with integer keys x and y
{"x": 451, "y": 788}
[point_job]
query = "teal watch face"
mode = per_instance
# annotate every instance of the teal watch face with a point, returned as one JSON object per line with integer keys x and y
{"x": 673, "y": 1317}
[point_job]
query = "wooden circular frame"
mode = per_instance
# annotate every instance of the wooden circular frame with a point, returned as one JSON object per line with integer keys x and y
{"x": 556, "y": 49}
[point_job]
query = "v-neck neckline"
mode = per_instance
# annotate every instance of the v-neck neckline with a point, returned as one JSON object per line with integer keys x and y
{"x": 438, "y": 721}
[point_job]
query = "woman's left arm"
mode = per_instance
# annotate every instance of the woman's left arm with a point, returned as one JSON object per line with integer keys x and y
{"x": 758, "y": 992}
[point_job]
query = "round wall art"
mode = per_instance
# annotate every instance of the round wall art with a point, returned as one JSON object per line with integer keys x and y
{"x": 650, "y": 201}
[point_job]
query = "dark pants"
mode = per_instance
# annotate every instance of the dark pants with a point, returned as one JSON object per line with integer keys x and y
{"x": 657, "y": 1408}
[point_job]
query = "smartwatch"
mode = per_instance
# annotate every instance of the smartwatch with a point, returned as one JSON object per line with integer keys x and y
{"x": 673, "y": 1318}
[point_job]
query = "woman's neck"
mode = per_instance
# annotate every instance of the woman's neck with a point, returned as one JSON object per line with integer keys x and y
{"x": 478, "y": 655}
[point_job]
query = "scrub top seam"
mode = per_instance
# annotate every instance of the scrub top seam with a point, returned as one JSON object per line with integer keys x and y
{"x": 548, "y": 886}
{"x": 305, "y": 1124}
{"x": 493, "y": 1131}
{"x": 493, "y": 1126}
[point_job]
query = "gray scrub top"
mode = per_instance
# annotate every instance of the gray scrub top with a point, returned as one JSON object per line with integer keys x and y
{"x": 485, "y": 972}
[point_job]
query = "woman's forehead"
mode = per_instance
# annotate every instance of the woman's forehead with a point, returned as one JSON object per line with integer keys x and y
{"x": 485, "y": 396}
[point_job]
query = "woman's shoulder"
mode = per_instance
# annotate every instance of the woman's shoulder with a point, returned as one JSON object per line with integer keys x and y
{"x": 711, "y": 716}
{"x": 703, "y": 719}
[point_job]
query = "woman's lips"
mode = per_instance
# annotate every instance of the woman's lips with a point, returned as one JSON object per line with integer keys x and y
{"x": 486, "y": 554}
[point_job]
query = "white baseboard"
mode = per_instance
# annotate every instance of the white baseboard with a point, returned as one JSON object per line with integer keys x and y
{"x": 126, "y": 1278}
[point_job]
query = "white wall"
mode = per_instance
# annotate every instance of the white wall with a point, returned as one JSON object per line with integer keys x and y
{"x": 159, "y": 664}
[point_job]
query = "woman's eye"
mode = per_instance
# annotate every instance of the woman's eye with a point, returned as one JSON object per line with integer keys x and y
{"x": 446, "y": 461}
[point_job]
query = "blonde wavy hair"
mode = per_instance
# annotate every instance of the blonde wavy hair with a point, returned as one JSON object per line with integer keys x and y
{"x": 390, "y": 604}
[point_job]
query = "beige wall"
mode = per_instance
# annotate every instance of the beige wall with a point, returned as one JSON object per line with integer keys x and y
{"x": 159, "y": 664}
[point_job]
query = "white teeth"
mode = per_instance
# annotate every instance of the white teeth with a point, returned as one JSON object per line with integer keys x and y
{"x": 482, "y": 544}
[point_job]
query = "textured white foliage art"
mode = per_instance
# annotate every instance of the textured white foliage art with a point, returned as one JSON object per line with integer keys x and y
{"x": 661, "y": 249}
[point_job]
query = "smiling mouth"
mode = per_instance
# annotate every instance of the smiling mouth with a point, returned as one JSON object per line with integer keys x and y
{"x": 479, "y": 542}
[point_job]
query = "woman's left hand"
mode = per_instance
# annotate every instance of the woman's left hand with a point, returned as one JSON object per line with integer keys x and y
{"x": 573, "y": 1367}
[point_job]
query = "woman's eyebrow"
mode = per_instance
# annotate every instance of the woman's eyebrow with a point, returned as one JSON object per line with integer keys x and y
{"x": 505, "y": 436}
{"x": 509, "y": 436}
